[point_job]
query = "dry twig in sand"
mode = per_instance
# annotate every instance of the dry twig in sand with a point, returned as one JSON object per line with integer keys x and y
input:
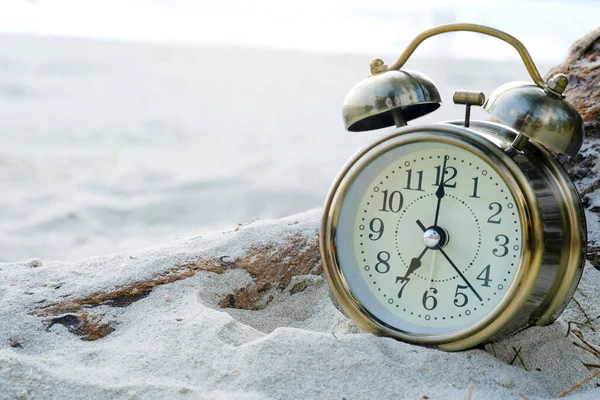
{"x": 589, "y": 365}
{"x": 570, "y": 323}
{"x": 589, "y": 347}
{"x": 588, "y": 321}
{"x": 521, "y": 395}
{"x": 578, "y": 384}
{"x": 469, "y": 391}
{"x": 584, "y": 348}
{"x": 518, "y": 355}
{"x": 593, "y": 349}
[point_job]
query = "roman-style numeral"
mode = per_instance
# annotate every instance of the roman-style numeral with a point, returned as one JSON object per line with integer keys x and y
{"x": 449, "y": 176}
{"x": 409, "y": 182}
{"x": 475, "y": 184}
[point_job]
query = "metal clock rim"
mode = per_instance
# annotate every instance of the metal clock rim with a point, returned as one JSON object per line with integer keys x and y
{"x": 531, "y": 252}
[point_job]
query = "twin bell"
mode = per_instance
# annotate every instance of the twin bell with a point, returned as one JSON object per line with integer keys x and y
{"x": 536, "y": 110}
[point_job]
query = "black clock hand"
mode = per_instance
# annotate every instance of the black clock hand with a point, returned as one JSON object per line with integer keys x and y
{"x": 440, "y": 192}
{"x": 460, "y": 273}
{"x": 415, "y": 264}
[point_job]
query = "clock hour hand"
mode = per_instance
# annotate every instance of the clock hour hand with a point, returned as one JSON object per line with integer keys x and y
{"x": 460, "y": 273}
{"x": 415, "y": 264}
{"x": 440, "y": 192}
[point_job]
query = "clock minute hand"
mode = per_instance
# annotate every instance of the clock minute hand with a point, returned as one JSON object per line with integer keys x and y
{"x": 460, "y": 273}
{"x": 440, "y": 192}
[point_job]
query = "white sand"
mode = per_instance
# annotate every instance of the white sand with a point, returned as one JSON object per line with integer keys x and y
{"x": 178, "y": 343}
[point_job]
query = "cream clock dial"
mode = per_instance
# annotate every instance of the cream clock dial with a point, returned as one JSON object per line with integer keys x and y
{"x": 435, "y": 235}
{"x": 436, "y": 238}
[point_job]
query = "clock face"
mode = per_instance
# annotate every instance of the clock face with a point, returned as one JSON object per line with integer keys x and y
{"x": 429, "y": 238}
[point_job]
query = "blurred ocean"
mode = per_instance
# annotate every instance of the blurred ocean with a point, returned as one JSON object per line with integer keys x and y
{"x": 547, "y": 27}
{"x": 110, "y": 146}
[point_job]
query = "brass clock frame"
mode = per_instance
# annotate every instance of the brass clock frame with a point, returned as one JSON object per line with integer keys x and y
{"x": 552, "y": 222}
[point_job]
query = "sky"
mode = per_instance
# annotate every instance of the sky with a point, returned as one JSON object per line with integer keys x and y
{"x": 340, "y": 26}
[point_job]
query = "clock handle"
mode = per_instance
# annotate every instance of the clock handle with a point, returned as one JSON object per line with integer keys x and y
{"x": 514, "y": 42}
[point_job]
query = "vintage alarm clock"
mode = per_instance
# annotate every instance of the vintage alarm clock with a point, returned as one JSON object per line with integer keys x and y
{"x": 458, "y": 233}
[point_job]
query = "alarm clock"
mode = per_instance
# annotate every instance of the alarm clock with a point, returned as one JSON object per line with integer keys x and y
{"x": 458, "y": 233}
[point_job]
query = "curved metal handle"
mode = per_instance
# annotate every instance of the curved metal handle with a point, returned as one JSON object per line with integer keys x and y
{"x": 514, "y": 42}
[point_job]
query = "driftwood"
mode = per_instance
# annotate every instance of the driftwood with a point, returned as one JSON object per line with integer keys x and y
{"x": 582, "y": 66}
{"x": 271, "y": 268}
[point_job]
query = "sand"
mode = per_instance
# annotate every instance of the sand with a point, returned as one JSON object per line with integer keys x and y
{"x": 179, "y": 343}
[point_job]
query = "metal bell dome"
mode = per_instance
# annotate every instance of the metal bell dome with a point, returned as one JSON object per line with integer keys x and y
{"x": 389, "y": 98}
{"x": 540, "y": 114}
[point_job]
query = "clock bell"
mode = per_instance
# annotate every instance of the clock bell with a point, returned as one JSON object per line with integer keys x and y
{"x": 537, "y": 111}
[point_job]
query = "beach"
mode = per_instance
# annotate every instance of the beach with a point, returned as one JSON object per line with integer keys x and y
{"x": 148, "y": 187}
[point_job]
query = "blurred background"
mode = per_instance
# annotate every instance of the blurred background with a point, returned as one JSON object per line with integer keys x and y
{"x": 126, "y": 124}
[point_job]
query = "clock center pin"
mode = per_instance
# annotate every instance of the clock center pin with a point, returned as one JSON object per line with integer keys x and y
{"x": 435, "y": 237}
